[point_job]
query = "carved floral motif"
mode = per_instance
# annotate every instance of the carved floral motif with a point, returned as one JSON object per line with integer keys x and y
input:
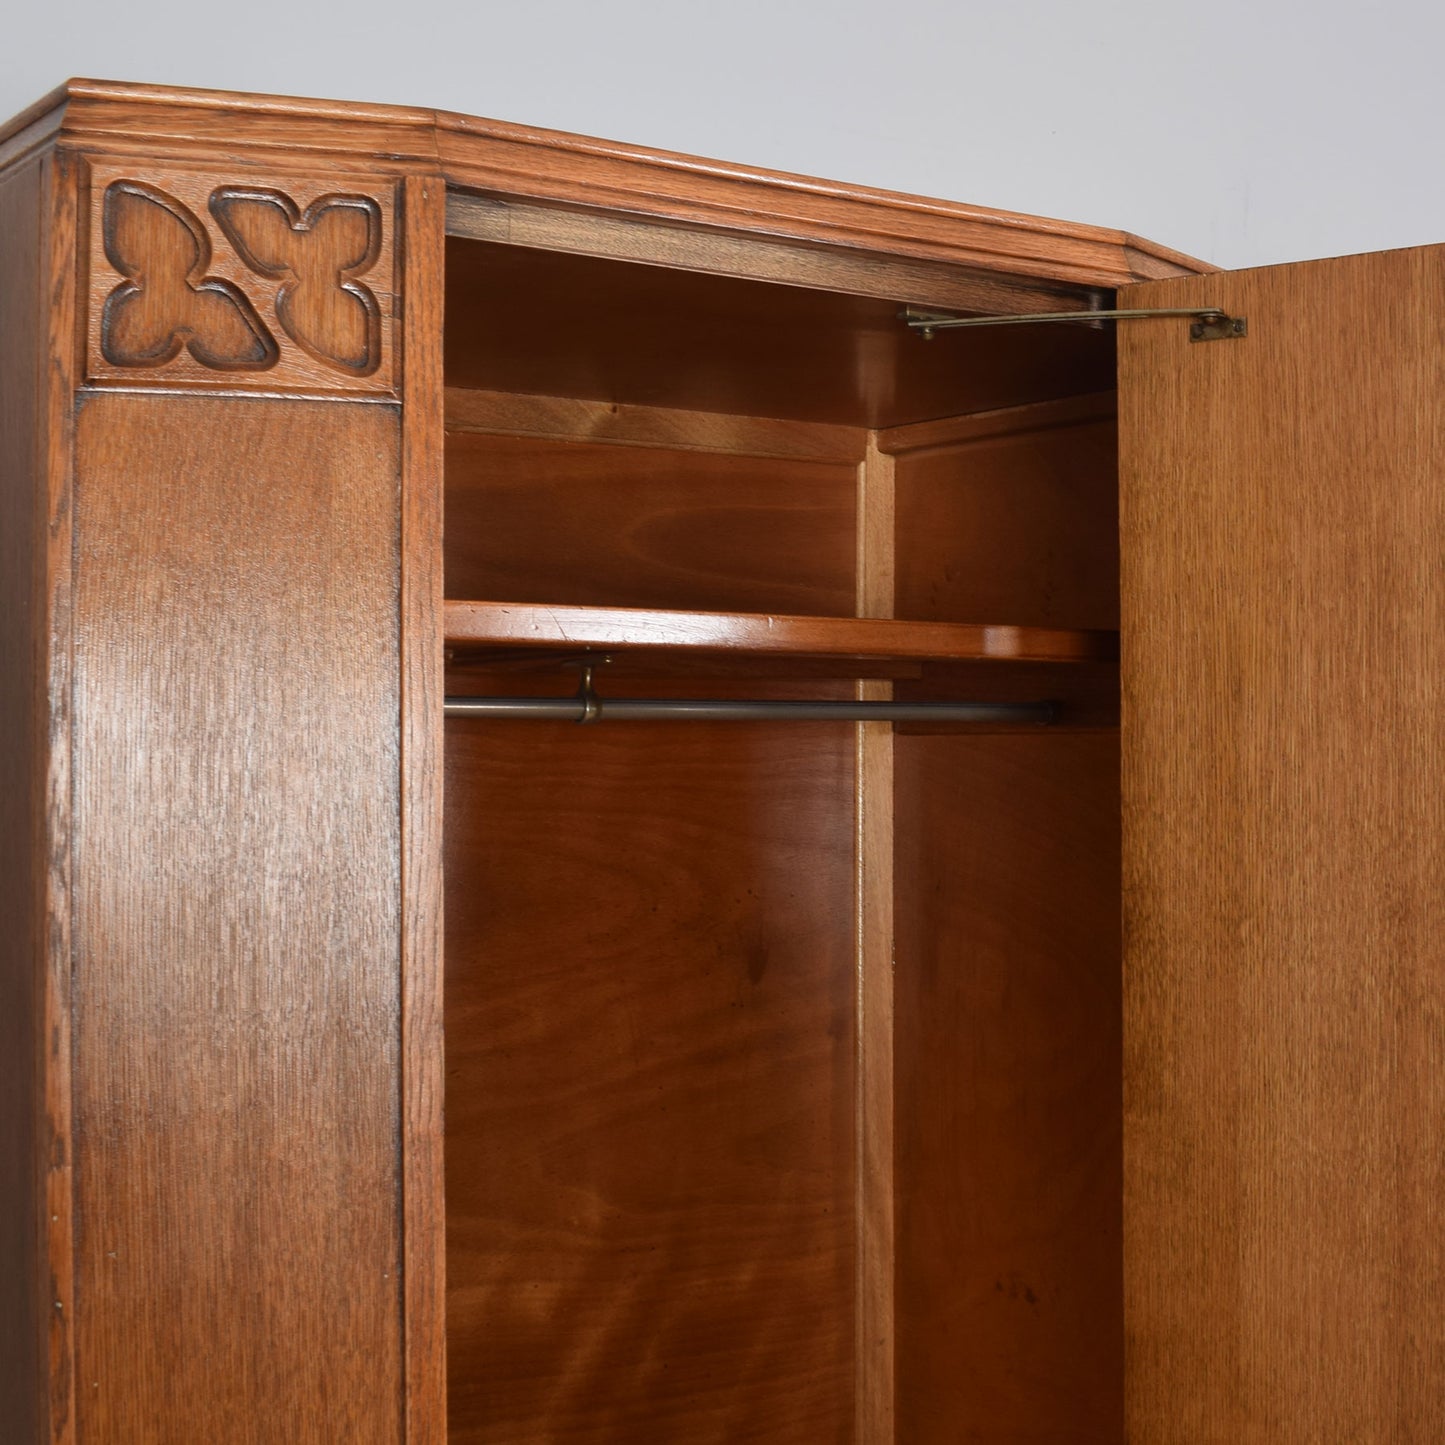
{"x": 167, "y": 301}
{"x": 318, "y": 255}
{"x": 194, "y": 279}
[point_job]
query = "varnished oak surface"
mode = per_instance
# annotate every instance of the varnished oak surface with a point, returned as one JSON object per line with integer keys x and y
{"x": 688, "y": 339}
{"x": 875, "y": 1354}
{"x": 591, "y": 523}
{"x": 422, "y": 1022}
{"x": 23, "y": 1316}
{"x": 651, "y": 972}
{"x": 237, "y": 981}
{"x": 1283, "y": 524}
{"x": 556, "y": 168}
{"x": 672, "y": 1088}
{"x": 1033, "y": 416}
{"x": 37, "y": 239}
{"x": 630, "y": 424}
{"x": 650, "y": 1084}
{"x": 237, "y": 277}
{"x": 730, "y": 253}
{"x": 1013, "y": 515}
{"x": 60, "y": 226}
{"x": 1009, "y": 1323}
{"x": 502, "y": 624}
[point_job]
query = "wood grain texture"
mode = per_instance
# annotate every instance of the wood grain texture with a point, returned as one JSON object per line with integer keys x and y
{"x": 651, "y": 1068}
{"x": 1019, "y": 524}
{"x": 760, "y": 257}
{"x": 672, "y": 337}
{"x": 24, "y": 1287}
{"x": 145, "y": 120}
{"x": 873, "y": 859}
{"x": 237, "y": 921}
{"x": 650, "y": 1097}
{"x": 692, "y": 1234}
{"x": 37, "y": 315}
{"x": 556, "y": 168}
{"x": 952, "y": 431}
{"x": 422, "y": 970}
{"x": 1283, "y": 524}
{"x": 876, "y": 564}
{"x": 1006, "y": 995}
{"x": 559, "y": 418}
{"x": 876, "y": 1211}
{"x": 241, "y": 279}
{"x": 490, "y": 157}
{"x": 590, "y": 524}
{"x": 61, "y": 223}
{"x": 472, "y": 625}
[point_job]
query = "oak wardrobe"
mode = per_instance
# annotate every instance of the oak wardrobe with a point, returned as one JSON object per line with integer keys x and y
{"x": 1059, "y": 1060}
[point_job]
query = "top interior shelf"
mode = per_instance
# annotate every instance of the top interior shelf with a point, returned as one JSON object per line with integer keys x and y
{"x": 487, "y": 625}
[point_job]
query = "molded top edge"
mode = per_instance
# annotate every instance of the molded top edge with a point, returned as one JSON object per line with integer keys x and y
{"x": 557, "y": 166}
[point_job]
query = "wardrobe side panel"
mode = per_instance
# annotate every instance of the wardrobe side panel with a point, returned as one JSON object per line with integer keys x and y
{"x": 236, "y": 917}
{"x": 22, "y": 754}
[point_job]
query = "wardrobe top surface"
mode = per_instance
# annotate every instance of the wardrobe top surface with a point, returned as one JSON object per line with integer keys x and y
{"x": 552, "y": 167}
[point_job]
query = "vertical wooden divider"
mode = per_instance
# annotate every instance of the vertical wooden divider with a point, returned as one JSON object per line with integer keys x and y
{"x": 37, "y": 219}
{"x": 874, "y": 824}
{"x": 60, "y": 212}
{"x": 423, "y": 1079}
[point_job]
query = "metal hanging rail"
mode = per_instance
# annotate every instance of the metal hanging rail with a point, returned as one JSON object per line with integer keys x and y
{"x": 590, "y": 709}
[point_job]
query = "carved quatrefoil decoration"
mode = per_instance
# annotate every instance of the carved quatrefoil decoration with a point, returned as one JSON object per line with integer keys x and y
{"x": 168, "y": 302}
{"x": 231, "y": 280}
{"x": 317, "y": 255}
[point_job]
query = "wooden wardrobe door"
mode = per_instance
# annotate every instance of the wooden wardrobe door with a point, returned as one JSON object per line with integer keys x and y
{"x": 1283, "y": 531}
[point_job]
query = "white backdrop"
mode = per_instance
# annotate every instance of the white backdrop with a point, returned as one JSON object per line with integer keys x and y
{"x": 1243, "y": 133}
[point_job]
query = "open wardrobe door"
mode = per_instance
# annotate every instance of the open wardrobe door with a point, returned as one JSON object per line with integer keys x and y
{"x": 1283, "y": 530}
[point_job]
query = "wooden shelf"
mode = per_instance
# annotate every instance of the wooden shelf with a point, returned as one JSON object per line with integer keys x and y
{"x": 485, "y": 625}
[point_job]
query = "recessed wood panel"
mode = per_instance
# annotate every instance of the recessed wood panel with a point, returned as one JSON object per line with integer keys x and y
{"x": 237, "y": 921}
{"x": 1009, "y": 1311}
{"x": 529, "y": 320}
{"x": 241, "y": 278}
{"x": 650, "y": 1084}
{"x": 1018, "y": 523}
{"x": 533, "y": 520}
{"x": 1283, "y": 525}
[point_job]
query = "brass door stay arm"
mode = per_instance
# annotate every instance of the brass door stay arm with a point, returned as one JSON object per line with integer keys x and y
{"x": 1210, "y": 323}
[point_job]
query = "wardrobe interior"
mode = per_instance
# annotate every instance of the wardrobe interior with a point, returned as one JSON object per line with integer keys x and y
{"x": 782, "y": 1058}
